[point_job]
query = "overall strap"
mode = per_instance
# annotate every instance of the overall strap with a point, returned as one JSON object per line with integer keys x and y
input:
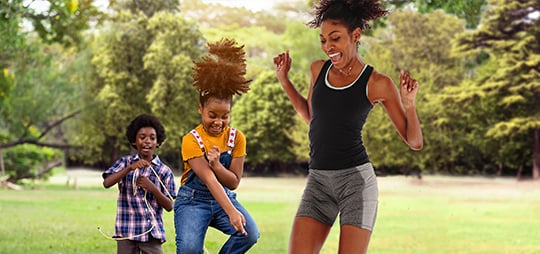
{"x": 232, "y": 136}
{"x": 199, "y": 139}
{"x": 230, "y": 140}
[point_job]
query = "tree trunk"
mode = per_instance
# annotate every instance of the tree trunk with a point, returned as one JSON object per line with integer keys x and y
{"x": 114, "y": 155}
{"x": 499, "y": 172}
{"x": 536, "y": 155}
{"x": 2, "y": 165}
{"x": 536, "y": 148}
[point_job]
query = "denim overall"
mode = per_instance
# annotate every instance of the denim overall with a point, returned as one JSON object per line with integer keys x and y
{"x": 195, "y": 209}
{"x": 194, "y": 182}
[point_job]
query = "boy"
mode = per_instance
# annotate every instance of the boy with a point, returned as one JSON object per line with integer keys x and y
{"x": 146, "y": 186}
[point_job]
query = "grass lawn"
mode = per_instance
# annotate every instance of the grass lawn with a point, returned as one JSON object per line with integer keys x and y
{"x": 435, "y": 215}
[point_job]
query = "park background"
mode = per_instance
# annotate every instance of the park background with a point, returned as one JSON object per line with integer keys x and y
{"x": 74, "y": 73}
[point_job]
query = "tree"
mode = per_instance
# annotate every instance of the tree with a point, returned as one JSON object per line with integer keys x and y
{"x": 266, "y": 117}
{"x": 147, "y": 7}
{"x": 54, "y": 21}
{"x": 469, "y": 10}
{"x": 39, "y": 99}
{"x": 143, "y": 65}
{"x": 509, "y": 34}
{"x": 177, "y": 42}
{"x": 397, "y": 48}
{"x": 36, "y": 96}
{"x": 215, "y": 15}
{"x": 22, "y": 61}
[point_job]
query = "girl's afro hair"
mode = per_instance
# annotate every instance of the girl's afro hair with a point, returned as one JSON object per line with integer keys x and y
{"x": 222, "y": 72}
{"x": 353, "y": 13}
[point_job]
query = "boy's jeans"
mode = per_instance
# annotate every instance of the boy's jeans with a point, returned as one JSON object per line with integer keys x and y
{"x": 195, "y": 210}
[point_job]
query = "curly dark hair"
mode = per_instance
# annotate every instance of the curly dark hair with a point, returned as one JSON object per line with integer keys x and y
{"x": 351, "y": 13}
{"x": 221, "y": 73}
{"x": 145, "y": 120}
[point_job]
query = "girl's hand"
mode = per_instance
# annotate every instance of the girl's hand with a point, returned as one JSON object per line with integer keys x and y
{"x": 408, "y": 89}
{"x": 282, "y": 64}
{"x": 213, "y": 156}
{"x": 238, "y": 221}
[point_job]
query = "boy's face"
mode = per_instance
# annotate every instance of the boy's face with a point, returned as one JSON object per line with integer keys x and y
{"x": 215, "y": 115}
{"x": 146, "y": 142}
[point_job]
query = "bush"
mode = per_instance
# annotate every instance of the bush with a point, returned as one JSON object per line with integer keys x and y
{"x": 26, "y": 161}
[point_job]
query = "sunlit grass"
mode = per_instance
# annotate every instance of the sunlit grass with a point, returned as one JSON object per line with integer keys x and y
{"x": 436, "y": 215}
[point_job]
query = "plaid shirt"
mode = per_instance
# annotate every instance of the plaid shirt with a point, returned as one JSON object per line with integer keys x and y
{"x": 132, "y": 216}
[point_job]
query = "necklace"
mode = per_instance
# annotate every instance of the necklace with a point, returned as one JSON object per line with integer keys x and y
{"x": 348, "y": 72}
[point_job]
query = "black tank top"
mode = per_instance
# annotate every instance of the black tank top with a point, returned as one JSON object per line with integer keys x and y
{"x": 337, "y": 118}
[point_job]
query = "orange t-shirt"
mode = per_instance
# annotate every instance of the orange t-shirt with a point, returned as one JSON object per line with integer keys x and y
{"x": 191, "y": 149}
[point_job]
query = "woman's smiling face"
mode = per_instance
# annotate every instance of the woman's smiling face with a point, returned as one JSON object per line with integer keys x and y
{"x": 338, "y": 43}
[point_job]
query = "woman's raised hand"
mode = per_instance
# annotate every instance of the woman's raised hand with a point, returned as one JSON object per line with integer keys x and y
{"x": 282, "y": 64}
{"x": 408, "y": 88}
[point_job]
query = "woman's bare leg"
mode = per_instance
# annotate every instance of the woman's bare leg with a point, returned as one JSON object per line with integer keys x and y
{"x": 307, "y": 236}
{"x": 353, "y": 239}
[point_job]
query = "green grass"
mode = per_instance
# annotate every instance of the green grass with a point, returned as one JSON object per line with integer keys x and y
{"x": 436, "y": 215}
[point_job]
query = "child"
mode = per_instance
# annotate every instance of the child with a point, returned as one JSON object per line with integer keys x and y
{"x": 146, "y": 186}
{"x": 342, "y": 92}
{"x": 213, "y": 156}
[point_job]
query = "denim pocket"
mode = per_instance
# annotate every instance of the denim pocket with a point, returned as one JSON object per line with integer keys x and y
{"x": 184, "y": 194}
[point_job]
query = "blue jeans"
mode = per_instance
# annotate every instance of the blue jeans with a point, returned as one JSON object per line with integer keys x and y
{"x": 195, "y": 210}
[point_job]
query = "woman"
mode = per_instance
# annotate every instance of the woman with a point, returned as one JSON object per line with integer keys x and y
{"x": 342, "y": 91}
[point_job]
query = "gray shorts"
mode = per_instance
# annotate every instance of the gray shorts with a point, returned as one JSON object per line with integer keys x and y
{"x": 352, "y": 192}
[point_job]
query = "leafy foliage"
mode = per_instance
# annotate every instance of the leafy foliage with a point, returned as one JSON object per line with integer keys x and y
{"x": 478, "y": 101}
{"x": 143, "y": 65}
{"x": 469, "y": 10}
{"x": 40, "y": 95}
{"x": 27, "y": 160}
{"x": 396, "y": 49}
{"x": 265, "y": 116}
{"x": 54, "y": 21}
{"x": 214, "y": 15}
{"x": 511, "y": 90}
{"x": 36, "y": 91}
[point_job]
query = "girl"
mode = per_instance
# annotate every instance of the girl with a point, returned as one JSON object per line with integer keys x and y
{"x": 342, "y": 91}
{"x": 213, "y": 156}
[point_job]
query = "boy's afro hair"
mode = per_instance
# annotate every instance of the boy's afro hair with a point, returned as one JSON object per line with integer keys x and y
{"x": 145, "y": 120}
{"x": 222, "y": 72}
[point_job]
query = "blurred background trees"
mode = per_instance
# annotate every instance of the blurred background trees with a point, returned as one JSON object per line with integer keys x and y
{"x": 75, "y": 72}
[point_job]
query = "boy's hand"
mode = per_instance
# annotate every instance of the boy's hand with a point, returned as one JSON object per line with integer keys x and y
{"x": 139, "y": 164}
{"x": 145, "y": 183}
